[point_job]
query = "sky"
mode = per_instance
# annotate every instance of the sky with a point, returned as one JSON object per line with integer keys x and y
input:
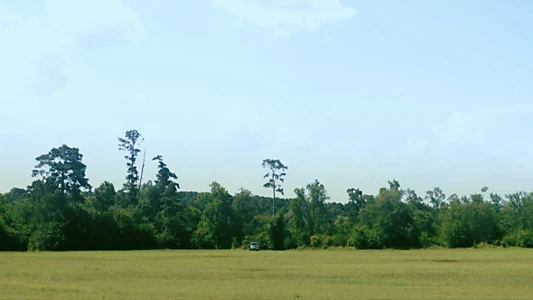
{"x": 351, "y": 93}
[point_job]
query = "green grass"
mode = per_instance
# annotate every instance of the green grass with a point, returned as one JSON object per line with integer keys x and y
{"x": 237, "y": 274}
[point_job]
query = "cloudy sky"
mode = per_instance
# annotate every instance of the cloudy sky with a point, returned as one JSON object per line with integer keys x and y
{"x": 352, "y": 93}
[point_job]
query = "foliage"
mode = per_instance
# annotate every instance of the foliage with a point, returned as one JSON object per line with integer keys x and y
{"x": 60, "y": 211}
{"x": 275, "y": 176}
{"x": 63, "y": 169}
{"x": 129, "y": 143}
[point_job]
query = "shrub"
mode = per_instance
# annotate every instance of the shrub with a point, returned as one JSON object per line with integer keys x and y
{"x": 327, "y": 241}
{"x": 48, "y": 236}
{"x": 321, "y": 241}
{"x": 262, "y": 239}
{"x": 428, "y": 241}
{"x": 484, "y": 245}
{"x": 358, "y": 239}
{"x": 520, "y": 238}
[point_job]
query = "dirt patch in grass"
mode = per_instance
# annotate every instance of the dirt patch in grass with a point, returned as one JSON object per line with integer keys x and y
{"x": 445, "y": 260}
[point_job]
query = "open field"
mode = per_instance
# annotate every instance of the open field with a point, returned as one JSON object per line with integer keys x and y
{"x": 237, "y": 274}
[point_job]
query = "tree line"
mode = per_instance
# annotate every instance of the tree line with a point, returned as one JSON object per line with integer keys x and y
{"x": 61, "y": 211}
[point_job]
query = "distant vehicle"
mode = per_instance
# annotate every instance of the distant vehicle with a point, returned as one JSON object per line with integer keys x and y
{"x": 253, "y": 246}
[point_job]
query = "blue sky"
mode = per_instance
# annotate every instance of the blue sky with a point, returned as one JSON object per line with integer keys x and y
{"x": 352, "y": 93}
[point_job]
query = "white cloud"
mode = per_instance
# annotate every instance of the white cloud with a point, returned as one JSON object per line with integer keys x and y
{"x": 495, "y": 132}
{"x": 290, "y": 16}
{"x": 97, "y": 19}
{"x": 477, "y": 146}
{"x": 461, "y": 127}
{"x": 38, "y": 50}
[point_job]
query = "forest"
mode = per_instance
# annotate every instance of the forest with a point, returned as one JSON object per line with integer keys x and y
{"x": 61, "y": 211}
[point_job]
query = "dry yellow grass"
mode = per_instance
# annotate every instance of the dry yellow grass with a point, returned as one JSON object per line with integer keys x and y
{"x": 237, "y": 274}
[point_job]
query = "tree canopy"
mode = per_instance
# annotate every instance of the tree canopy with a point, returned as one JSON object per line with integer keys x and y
{"x": 59, "y": 210}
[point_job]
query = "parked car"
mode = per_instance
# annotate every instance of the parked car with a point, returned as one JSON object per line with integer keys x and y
{"x": 253, "y": 246}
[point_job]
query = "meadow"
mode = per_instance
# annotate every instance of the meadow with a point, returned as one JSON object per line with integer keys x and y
{"x": 297, "y": 274}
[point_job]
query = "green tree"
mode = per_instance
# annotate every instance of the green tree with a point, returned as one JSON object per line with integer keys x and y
{"x": 300, "y": 224}
{"x": 515, "y": 216}
{"x": 343, "y": 228}
{"x": 104, "y": 196}
{"x": 161, "y": 205}
{"x": 15, "y": 194}
{"x": 59, "y": 211}
{"x": 385, "y": 221}
{"x": 436, "y": 197}
{"x": 164, "y": 175}
{"x": 63, "y": 170}
{"x": 244, "y": 211}
{"x": 275, "y": 175}
{"x": 214, "y": 227}
{"x": 497, "y": 201}
{"x": 130, "y": 144}
{"x": 276, "y": 232}
{"x": 356, "y": 202}
{"x": 469, "y": 221}
{"x": 317, "y": 194}
{"x": 412, "y": 197}
{"x": 163, "y": 194}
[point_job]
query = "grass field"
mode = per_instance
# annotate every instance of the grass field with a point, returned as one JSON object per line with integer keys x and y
{"x": 237, "y": 274}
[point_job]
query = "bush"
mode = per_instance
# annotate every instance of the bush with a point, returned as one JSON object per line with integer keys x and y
{"x": 427, "y": 241}
{"x": 365, "y": 238}
{"x": 484, "y": 245}
{"x": 358, "y": 239}
{"x": 321, "y": 241}
{"x": 315, "y": 241}
{"x": 327, "y": 241}
{"x": 339, "y": 240}
{"x": 520, "y": 238}
{"x": 290, "y": 242}
{"x": 166, "y": 240}
{"x": 276, "y": 233}
{"x": 48, "y": 236}
{"x": 9, "y": 241}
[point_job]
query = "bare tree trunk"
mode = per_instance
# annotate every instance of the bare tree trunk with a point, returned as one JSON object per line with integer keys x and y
{"x": 141, "y": 178}
{"x": 274, "y": 200}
